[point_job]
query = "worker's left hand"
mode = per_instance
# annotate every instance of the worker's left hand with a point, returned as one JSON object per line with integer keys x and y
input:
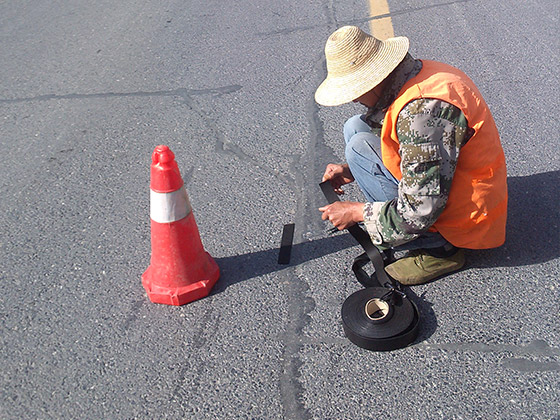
{"x": 343, "y": 214}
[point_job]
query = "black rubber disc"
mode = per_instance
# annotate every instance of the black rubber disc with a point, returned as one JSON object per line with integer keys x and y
{"x": 396, "y": 329}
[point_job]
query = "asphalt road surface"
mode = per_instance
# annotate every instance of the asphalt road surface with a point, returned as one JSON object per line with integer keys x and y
{"x": 88, "y": 89}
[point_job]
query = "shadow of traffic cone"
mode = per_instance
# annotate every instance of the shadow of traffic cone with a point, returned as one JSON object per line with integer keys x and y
{"x": 180, "y": 270}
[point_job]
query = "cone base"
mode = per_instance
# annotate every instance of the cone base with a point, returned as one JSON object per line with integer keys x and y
{"x": 182, "y": 295}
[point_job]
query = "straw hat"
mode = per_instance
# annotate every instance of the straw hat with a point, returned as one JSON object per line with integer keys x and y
{"x": 356, "y": 63}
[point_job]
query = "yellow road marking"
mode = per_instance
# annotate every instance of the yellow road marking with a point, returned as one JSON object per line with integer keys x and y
{"x": 380, "y": 28}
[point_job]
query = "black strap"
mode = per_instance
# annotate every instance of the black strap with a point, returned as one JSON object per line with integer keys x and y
{"x": 364, "y": 278}
{"x": 286, "y": 244}
{"x": 365, "y": 241}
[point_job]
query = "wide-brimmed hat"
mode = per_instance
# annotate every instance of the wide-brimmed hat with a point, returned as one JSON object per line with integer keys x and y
{"x": 356, "y": 63}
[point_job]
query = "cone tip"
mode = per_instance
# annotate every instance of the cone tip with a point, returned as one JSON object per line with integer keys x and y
{"x": 162, "y": 154}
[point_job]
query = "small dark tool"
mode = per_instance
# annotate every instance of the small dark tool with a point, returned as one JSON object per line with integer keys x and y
{"x": 379, "y": 317}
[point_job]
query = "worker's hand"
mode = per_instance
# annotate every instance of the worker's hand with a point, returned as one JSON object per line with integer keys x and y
{"x": 339, "y": 175}
{"x": 343, "y": 214}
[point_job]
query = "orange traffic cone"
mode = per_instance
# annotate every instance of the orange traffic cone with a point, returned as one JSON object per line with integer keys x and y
{"x": 180, "y": 270}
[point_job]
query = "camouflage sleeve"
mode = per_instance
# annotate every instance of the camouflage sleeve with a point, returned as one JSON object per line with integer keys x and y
{"x": 431, "y": 133}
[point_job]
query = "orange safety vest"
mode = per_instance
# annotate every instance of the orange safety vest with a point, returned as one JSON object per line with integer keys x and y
{"x": 476, "y": 210}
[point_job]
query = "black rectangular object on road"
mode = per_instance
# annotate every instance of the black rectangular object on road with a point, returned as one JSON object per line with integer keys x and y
{"x": 286, "y": 244}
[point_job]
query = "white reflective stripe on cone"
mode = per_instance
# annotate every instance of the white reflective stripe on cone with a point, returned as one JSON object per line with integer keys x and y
{"x": 169, "y": 207}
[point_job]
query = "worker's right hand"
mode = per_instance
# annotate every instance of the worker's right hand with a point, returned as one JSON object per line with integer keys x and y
{"x": 338, "y": 175}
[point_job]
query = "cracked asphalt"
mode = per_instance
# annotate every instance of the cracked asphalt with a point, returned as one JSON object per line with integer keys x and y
{"x": 88, "y": 89}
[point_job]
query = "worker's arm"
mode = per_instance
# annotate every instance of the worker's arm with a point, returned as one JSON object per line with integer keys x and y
{"x": 431, "y": 133}
{"x": 343, "y": 214}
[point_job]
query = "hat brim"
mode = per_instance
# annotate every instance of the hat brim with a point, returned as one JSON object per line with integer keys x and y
{"x": 339, "y": 90}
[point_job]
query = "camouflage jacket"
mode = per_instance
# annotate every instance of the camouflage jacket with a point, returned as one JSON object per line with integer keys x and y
{"x": 424, "y": 187}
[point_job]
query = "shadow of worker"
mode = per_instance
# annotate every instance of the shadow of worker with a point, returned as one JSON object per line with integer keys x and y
{"x": 238, "y": 268}
{"x": 532, "y": 234}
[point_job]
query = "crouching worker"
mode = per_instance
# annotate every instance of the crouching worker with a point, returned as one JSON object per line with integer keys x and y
{"x": 426, "y": 155}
